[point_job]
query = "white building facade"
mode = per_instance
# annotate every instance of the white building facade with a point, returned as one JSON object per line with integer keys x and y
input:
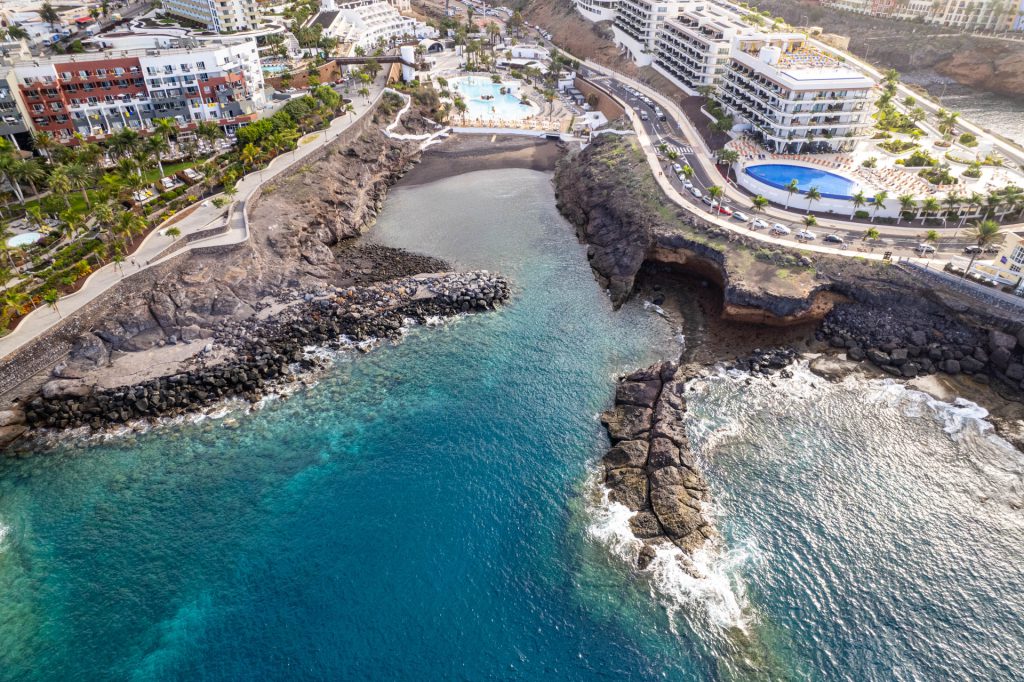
{"x": 693, "y": 49}
{"x": 597, "y": 10}
{"x": 637, "y": 23}
{"x": 222, "y": 16}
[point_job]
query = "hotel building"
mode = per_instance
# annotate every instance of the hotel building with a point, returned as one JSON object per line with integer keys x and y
{"x": 95, "y": 94}
{"x": 365, "y": 23}
{"x": 793, "y": 97}
{"x": 222, "y": 16}
{"x": 597, "y": 10}
{"x": 693, "y": 49}
{"x": 637, "y": 23}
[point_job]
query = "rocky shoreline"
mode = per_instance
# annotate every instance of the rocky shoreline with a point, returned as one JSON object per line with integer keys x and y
{"x": 650, "y": 467}
{"x": 263, "y": 354}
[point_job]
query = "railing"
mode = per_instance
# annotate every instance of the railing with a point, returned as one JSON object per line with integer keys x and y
{"x": 1001, "y": 300}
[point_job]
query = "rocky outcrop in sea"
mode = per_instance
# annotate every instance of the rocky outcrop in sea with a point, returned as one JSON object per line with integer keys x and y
{"x": 650, "y": 467}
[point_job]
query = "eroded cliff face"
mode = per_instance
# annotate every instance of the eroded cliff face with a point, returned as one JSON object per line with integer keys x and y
{"x": 608, "y": 193}
{"x": 993, "y": 69}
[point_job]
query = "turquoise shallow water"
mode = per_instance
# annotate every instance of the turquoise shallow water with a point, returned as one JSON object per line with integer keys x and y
{"x": 427, "y": 512}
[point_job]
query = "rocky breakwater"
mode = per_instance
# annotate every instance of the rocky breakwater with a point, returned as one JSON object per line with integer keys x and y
{"x": 908, "y": 342}
{"x": 650, "y": 467}
{"x": 264, "y": 353}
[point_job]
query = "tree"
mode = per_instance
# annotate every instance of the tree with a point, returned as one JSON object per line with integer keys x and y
{"x": 983, "y": 232}
{"x": 48, "y": 14}
{"x": 60, "y": 183}
{"x": 813, "y": 194}
{"x": 859, "y": 199}
{"x": 878, "y": 203}
{"x": 515, "y": 23}
{"x": 44, "y": 143}
{"x": 249, "y": 155}
{"x": 928, "y": 206}
{"x": 173, "y": 233}
{"x": 372, "y": 68}
{"x": 493, "y": 32}
{"x": 461, "y": 107}
{"x": 758, "y": 203}
{"x": 29, "y": 171}
{"x": 931, "y": 237}
{"x": 687, "y": 171}
{"x": 871, "y": 234}
{"x": 716, "y": 192}
{"x": 80, "y": 177}
{"x": 810, "y": 221}
{"x": 365, "y": 92}
{"x": 791, "y": 187}
{"x": 51, "y": 297}
{"x": 5, "y": 234}
{"x": 727, "y": 157}
{"x": 907, "y": 204}
{"x": 952, "y": 201}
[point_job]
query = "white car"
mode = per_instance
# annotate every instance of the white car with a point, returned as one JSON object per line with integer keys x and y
{"x": 925, "y": 248}
{"x": 708, "y": 200}
{"x": 806, "y": 235}
{"x": 696, "y": 192}
{"x": 740, "y": 216}
{"x": 644, "y": 116}
{"x": 780, "y": 230}
{"x": 686, "y": 183}
{"x": 677, "y": 168}
{"x": 759, "y": 225}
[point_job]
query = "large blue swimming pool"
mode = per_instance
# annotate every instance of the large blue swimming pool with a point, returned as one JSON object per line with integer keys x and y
{"x": 778, "y": 175}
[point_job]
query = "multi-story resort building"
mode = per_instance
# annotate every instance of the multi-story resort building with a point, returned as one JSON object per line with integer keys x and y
{"x": 95, "y": 94}
{"x": 693, "y": 49}
{"x": 222, "y": 16}
{"x": 365, "y": 23}
{"x": 637, "y": 23}
{"x": 974, "y": 15}
{"x": 597, "y": 10}
{"x": 14, "y": 118}
{"x": 795, "y": 98}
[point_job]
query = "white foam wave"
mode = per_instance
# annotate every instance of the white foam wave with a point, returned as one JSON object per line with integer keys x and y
{"x": 957, "y": 416}
{"x": 656, "y": 308}
{"x": 701, "y": 585}
{"x": 4, "y": 532}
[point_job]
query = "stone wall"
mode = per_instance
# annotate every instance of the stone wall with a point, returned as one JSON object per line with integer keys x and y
{"x": 606, "y": 104}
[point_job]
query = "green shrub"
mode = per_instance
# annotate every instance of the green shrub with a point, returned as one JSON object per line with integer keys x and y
{"x": 897, "y": 146}
{"x": 968, "y": 140}
{"x": 861, "y": 214}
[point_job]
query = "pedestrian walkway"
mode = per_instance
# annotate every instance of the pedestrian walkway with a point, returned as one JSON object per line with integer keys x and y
{"x": 205, "y": 217}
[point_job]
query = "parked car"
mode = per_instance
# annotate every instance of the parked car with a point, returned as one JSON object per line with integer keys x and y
{"x": 644, "y": 116}
{"x": 696, "y": 192}
{"x": 925, "y": 248}
{"x": 993, "y": 248}
{"x": 806, "y": 235}
{"x": 686, "y": 183}
{"x": 834, "y": 239}
{"x": 721, "y": 210}
{"x": 780, "y": 230}
{"x": 708, "y": 200}
{"x": 972, "y": 249}
{"x": 759, "y": 225}
{"x": 677, "y": 168}
{"x": 740, "y": 216}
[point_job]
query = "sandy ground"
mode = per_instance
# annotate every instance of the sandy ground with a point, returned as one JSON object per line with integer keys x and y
{"x": 134, "y": 368}
{"x": 467, "y": 153}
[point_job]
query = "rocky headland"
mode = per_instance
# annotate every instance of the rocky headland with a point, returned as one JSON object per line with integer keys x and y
{"x": 861, "y": 311}
{"x": 231, "y": 322}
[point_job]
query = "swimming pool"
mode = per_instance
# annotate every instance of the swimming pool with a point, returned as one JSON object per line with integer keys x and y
{"x": 778, "y": 175}
{"x": 474, "y": 90}
{"x": 24, "y": 239}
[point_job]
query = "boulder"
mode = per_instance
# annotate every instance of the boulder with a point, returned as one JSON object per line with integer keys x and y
{"x": 11, "y": 417}
{"x": 627, "y": 422}
{"x": 646, "y": 556}
{"x": 90, "y": 349}
{"x": 663, "y": 453}
{"x": 1015, "y": 371}
{"x": 627, "y": 453}
{"x": 644, "y": 525}
{"x": 9, "y": 434}
{"x": 628, "y": 486}
{"x": 641, "y": 393}
{"x": 65, "y": 388}
{"x": 672, "y": 504}
{"x": 950, "y": 366}
{"x": 898, "y": 356}
{"x": 971, "y": 365}
{"x": 918, "y": 338}
{"x": 1000, "y": 358}
{"x": 878, "y": 357}
{"x": 998, "y": 339}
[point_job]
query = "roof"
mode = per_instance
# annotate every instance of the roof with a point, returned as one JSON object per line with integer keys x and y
{"x": 325, "y": 19}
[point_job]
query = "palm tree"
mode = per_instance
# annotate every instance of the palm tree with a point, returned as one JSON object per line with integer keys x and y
{"x": 80, "y": 177}
{"x": 51, "y": 297}
{"x": 716, "y": 192}
{"x": 952, "y": 201}
{"x": 44, "y": 143}
{"x": 461, "y": 107}
{"x": 7, "y": 165}
{"x": 791, "y": 187}
{"x": 156, "y": 146}
{"x": 758, "y": 203}
{"x": 60, "y": 183}
{"x": 687, "y": 171}
{"x": 5, "y": 234}
{"x": 173, "y": 233}
{"x": 928, "y": 206}
{"x": 813, "y": 194}
{"x": 727, "y": 157}
{"x": 870, "y": 233}
{"x": 48, "y": 14}
{"x": 249, "y": 155}
{"x": 931, "y": 237}
{"x": 878, "y": 203}
{"x": 907, "y": 204}
{"x": 124, "y": 143}
{"x": 810, "y": 221}
{"x": 859, "y": 199}
{"x": 983, "y": 232}
{"x": 165, "y": 127}
{"x": 365, "y": 92}
{"x": 30, "y": 171}
{"x": 73, "y": 224}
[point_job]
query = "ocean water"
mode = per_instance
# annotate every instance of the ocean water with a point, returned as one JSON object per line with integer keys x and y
{"x": 430, "y": 511}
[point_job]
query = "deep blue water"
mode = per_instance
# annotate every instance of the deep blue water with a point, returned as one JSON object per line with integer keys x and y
{"x": 778, "y": 175}
{"x": 427, "y": 512}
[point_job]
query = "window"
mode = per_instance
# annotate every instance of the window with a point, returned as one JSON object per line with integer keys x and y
{"x": 83, "y": 74}
{"x": 66, "y": 75}
{"x": 101, "y": 72}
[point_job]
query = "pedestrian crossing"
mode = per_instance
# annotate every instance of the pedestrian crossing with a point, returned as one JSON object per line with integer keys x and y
{"x": 680, "y": 149}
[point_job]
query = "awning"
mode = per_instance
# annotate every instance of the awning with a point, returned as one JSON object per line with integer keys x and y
{"x": 83, "y": 20}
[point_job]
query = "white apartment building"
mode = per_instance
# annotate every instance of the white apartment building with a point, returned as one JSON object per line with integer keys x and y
{"x": 637, "y": 23}
{"x": 222, "y": 16}
{"x": 597, "y": 10}
{"x": 693, "y": 49}
{"x": 793, "y": 97}
{"x": 365, "y": 23}
{"x": 984, "y": 15}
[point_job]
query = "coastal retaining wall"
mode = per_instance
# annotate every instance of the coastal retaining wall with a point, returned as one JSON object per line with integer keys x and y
{"x": 607, "y": 104}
